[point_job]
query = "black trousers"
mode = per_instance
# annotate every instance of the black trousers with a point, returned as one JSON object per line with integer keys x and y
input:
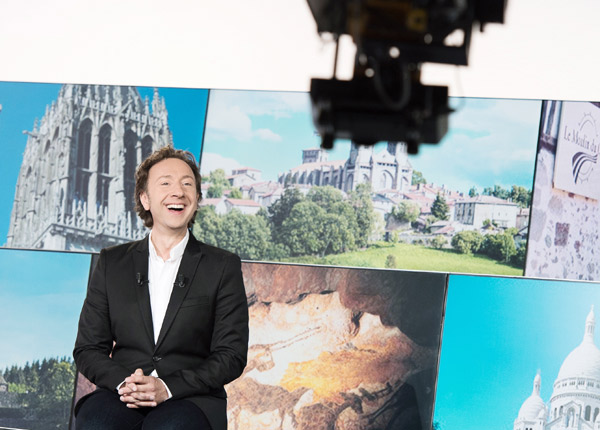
{"x": 104, "y": 411}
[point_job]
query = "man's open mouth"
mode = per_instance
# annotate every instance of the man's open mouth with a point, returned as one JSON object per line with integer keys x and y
{"x": 177, "y": 208}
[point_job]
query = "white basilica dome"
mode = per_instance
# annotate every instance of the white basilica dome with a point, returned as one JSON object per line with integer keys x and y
{"x": 533, "y": 406}
{"x": 583, "y": 361}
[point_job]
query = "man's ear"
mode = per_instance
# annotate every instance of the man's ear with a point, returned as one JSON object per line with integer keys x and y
{"x": 145, "y": 201}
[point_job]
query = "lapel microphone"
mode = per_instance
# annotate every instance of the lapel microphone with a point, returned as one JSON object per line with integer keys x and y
{"x": 180, "y": 281}
{"x": 139, "y": 278}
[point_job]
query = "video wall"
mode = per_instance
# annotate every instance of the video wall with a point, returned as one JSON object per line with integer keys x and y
{"x": 385, "y": 290}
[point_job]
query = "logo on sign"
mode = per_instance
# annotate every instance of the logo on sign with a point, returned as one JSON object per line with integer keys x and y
{"x": 585, "y": 136}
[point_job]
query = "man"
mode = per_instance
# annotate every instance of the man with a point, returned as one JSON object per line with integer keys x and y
{"x": 165, "y": 321}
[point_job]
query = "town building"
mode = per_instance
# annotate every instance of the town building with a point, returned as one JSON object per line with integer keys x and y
{"x": 76, "y": 183}
{"x": 244, "y": 176}
{"x": 475, "y": 210}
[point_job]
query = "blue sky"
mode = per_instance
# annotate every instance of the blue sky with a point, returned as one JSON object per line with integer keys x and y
{"x": 498, "y": 333}
{"x": 23, "y": 102}
{"x": 41, "y": 294}
{"x": 490, "y": 141}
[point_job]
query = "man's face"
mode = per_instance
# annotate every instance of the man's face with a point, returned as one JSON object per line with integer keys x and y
{"x": 170, "y": 195}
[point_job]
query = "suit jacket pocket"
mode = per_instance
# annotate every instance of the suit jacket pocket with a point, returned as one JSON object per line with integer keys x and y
{"x": 195, "y": 301}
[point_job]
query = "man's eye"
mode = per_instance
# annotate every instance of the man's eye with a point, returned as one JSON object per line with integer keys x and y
{"x": 164, "y": 183}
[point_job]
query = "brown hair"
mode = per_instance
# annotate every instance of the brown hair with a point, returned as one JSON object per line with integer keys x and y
{"x": 141, "y": 178}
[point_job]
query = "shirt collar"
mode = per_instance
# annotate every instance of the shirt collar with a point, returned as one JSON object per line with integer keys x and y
{"x": 176, "y": 251}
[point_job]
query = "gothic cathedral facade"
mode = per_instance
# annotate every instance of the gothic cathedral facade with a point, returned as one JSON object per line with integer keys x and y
{"x": 75, "y": 189}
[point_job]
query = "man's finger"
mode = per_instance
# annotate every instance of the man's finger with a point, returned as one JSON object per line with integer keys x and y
{"x": 142, "y": 405}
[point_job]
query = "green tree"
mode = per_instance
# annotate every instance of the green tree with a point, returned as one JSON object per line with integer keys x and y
{"x": 497, "y": 191}
{"x": 310, "y": 230}
{"x": 302, "y": 230}
{"x": 246, "y": 235}
{"x": 439, "y": 208}
{"x": 208, "y": 226}
{"x": 218, "y": 177}
{"x": 390, "y": 262}
{"x": 52, "y": 401}
{"x": 467, "y": 242}
{"x": 500, "y": 192}
{"x": 439, "y": 241}
{"x": 499, "y": 246}
{"x": 218, "y": 183}
{"x": 521, "y": 196}
{"x": 281, "y": 210}
{"x": 339, "y": 226}
{"x": 338, "y": 232}
{"x": 406, "y": 211}
{"x": 473, "y": 192}
{"x": 417, "y": 178}
{"x": 15, "y": 375}
{"x": 325, "y": 197}
{"x": 360, "y": 199}
{"x": 32, "y": 375}
{"x": 18, "y": 388}
{"x": 215, "y": 191}
{"x": 518, "y": 260}
{"x": 235, "y": 194}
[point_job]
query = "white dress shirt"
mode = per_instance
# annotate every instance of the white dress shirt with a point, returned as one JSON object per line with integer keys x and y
{"x": 161, "y": 277}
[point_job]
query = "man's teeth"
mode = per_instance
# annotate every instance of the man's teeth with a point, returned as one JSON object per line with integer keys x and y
{"x": 176, "y": 207}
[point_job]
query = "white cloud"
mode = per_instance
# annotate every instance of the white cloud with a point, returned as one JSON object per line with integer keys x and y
{"x": 230, "y": 113}
{"x": 211, "y": 161}
{"x": 268, "y": 135}
{"x": 256, "y": 103}
{"x": 224, "y": 121}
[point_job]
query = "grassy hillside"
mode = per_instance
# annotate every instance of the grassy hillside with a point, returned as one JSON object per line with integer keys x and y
{"x": 415, "y": 257}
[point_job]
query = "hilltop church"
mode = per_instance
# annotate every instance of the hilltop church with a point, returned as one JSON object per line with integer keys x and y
{"x": 575, "y": 400}
{"x": 386, "y": 170}
{"x": 76, "y": 184}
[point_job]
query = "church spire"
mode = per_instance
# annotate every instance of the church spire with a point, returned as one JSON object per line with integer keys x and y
{"x": 590, "y": 324}
{"x": 537, "y": 384}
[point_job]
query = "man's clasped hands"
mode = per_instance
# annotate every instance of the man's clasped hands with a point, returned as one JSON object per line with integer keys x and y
{"x": 140, "y": 391}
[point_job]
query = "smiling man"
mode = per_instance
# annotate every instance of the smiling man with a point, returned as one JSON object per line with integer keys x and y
{"x": 164, "y": 325}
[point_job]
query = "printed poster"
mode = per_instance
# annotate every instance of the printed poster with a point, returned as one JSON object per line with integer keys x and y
{"x": 576, "y": 169}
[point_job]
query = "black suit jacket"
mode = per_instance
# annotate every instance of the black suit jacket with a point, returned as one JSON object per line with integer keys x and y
{"x": 203, "y": 341}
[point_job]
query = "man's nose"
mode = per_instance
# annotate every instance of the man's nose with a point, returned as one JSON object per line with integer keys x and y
{"x": 177, "y": 190}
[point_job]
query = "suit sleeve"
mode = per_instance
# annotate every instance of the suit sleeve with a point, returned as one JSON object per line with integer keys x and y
{"x": 94, "y": 342}
{"x": 229, "y": 345}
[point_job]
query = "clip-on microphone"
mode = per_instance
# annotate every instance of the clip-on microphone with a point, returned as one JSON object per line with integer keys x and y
{"x": 139, "y": 278}
{"x": 180, "y": 282}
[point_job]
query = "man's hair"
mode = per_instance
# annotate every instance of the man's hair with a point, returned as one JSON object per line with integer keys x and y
{"x": 141, "y": 178}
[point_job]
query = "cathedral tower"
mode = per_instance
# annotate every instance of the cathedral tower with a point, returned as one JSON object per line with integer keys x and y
{"x": 76, "y": 183}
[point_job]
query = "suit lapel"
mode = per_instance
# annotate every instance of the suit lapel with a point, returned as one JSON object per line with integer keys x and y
{"x": 187, "y": 269}
{"x": 140, "y": 265}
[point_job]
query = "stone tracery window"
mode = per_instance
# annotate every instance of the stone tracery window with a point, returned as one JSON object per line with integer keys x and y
{"x": 146, "y": 147}
{"x": 103, "y": 182}
{"x": 104, "y": 148}
{"x": 48, "y": 160}
{"x": 386, "y": 180}
{"x": 349, "y": 182}
{"x": 129, "y": 169}
{"x": 82, "y": 173}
